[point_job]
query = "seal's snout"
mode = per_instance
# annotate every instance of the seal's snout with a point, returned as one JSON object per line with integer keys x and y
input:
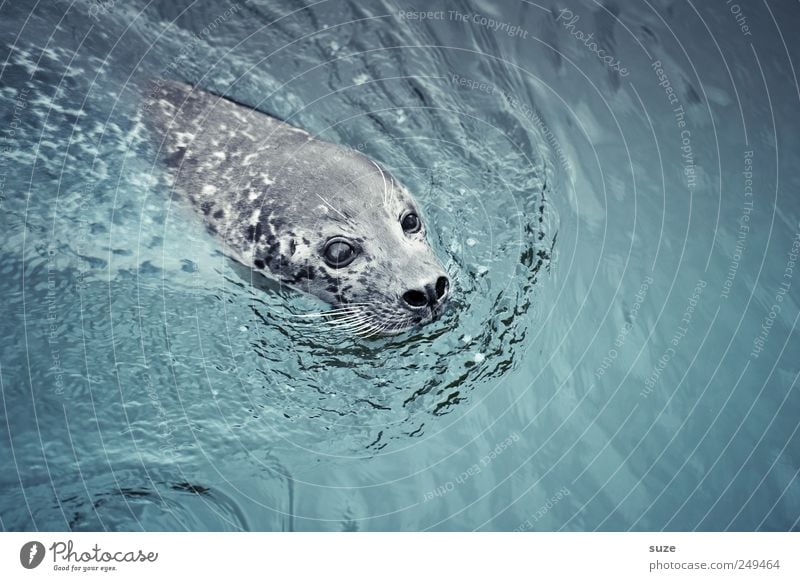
{"x": 430, "y": 295}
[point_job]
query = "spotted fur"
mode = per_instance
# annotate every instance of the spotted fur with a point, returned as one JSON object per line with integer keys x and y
{"x": 275, "y": 195}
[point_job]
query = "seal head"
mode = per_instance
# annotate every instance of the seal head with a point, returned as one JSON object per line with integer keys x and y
{"x": 321, "y": 218}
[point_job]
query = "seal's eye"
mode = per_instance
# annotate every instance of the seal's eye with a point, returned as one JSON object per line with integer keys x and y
{"x": 411, "y": 223}
{"x": 339, "y": 253}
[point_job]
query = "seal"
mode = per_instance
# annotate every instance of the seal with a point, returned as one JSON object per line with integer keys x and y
{"x": 315, "y": 216}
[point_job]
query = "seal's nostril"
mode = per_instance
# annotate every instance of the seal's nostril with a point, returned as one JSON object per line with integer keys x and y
{"x": 415, "y": 298}
{"x": 442, "y": 285}
{"x": 431, "y": 296}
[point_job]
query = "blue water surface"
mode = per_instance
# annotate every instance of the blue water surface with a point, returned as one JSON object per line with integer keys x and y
{"x": 610, "y": 186}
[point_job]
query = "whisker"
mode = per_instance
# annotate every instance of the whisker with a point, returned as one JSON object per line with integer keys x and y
{"x": 377, "y": 330}
{"x": 356, "y": 319}
{"x": 350, "y": 307}
{"x": 339, "y": 317}
{"x": 403, "y": 323}
{"x": 349, "y": 324}
{"x": 324, "y": 201}
{"x": 390, "y": 326}
{"x": 366, "y": 324}
{"x": 395, "y": 326}
{"x": 343, "y": 325}
{"x": 361, "y": 328}
{"x": 324, "y": 314}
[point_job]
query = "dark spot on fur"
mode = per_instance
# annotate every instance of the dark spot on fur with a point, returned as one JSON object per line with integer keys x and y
{"x": 306, "y": 272}
{"x": 277, "y": 262}
{"x": 219, "y": 214}
{"x": 259, "y": 263}
{"x": 176, "y": 159}
{"x": 206, "y": 207}
{"x": 292, "y": 247}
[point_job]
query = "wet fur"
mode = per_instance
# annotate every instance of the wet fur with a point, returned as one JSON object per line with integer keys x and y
{"x": 274, "y": 195}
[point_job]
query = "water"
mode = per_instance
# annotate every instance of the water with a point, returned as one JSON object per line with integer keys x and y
{"x": 621, "y": 350}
